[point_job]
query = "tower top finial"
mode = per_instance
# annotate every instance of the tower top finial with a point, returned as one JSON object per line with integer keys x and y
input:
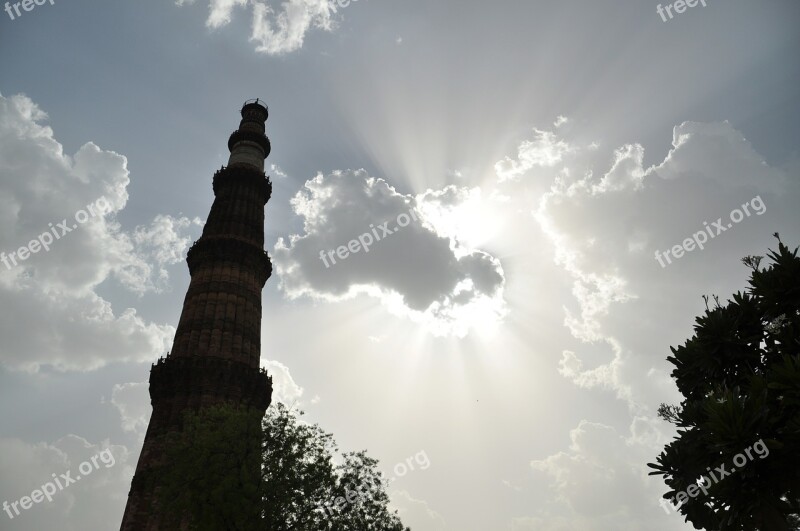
{"x": 258, "y": 103}
{"x": 249, "y": 144}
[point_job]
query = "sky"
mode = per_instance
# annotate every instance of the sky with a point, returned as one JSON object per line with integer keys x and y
{"x": 557, "y": 167}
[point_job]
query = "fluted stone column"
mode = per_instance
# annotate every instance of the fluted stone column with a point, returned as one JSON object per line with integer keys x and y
{"x": 216, "y": 353}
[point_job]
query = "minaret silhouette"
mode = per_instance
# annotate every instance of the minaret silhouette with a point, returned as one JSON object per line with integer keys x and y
{"x": 216, "y": 354}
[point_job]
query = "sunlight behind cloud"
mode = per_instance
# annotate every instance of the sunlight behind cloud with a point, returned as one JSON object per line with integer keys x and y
{"x": 421, "y": 271}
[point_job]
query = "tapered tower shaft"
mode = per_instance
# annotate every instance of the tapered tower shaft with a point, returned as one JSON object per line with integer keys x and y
{"x": 216, "y": 353}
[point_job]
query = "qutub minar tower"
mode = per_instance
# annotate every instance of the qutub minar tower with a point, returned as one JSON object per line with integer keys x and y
{"x": 216, "y": 354}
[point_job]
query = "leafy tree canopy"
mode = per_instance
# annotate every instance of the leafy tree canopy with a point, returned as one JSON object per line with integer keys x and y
{"x": 300, "y": 487}
{"x": 739, "y": 375}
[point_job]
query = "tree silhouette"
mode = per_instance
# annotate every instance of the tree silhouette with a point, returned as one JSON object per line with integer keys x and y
{"x": 300, "y": 489}
{"x": 740, "y": 378}
{"x": 212, "y": 481}
{"x": 303, "y": 490}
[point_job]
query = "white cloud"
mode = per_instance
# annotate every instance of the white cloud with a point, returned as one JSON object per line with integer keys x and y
{"x": 546, "y": 150}
{"x": 626, "y": 171}
{"x": 605, "y": 227}
{"x": 560, "y": 120}
{"x": 166, "y": 240}
{"x": 605, "y": 217}
{"x": 415, "y": 513}
{"x": 284, "y": 389}
{"x": 94, "y": 503}
{"x": 718, "y": 152}
{"x": 132, "y": 400}
{"x": 601, "y": 483}
{"x": 275, "y": 31}
{"x": 418, "y": 270}
{"x": 277, "y": 172}
{"x": 55, "y": 290}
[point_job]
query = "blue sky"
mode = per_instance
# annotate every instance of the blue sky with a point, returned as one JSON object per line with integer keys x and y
{"x": 517, "y": 333}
